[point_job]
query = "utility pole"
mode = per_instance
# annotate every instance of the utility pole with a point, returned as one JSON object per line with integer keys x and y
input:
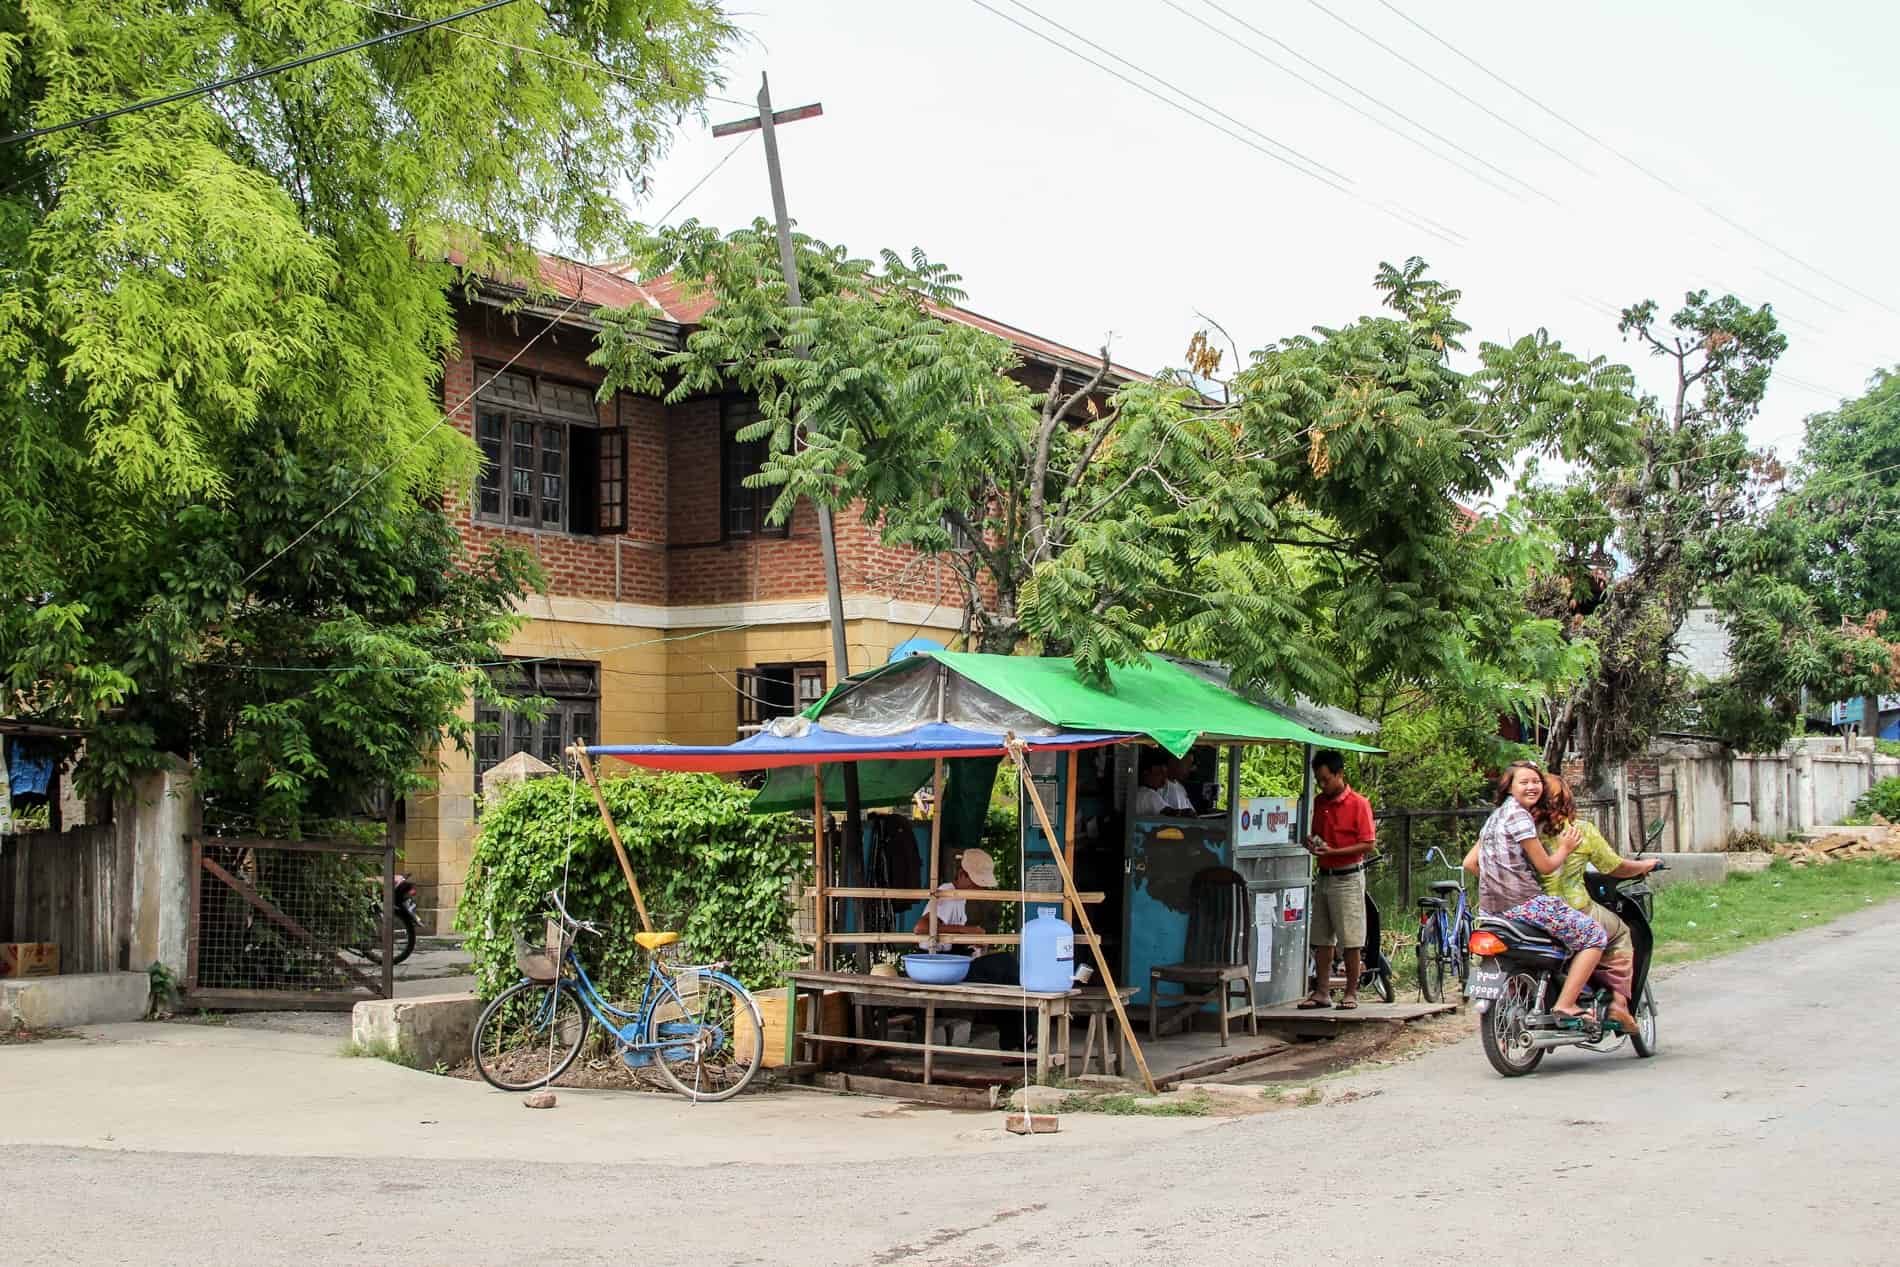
{"x": 767, "y": 123}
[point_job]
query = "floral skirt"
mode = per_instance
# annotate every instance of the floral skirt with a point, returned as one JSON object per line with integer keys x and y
{"x": 1575, "y": 929}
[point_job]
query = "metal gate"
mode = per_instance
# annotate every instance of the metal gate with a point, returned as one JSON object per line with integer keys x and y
{"x": 290, "y": 924}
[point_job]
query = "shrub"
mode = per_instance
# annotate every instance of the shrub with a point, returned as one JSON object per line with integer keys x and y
{"x": 707, "y": 868}
{"x": 1883, "y": 798}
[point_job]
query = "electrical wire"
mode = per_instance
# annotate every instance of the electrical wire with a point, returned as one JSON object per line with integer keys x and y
{"x": 1452, "y": 89}
{"x": 730, "y": 155}
{"x": 1403, "y": 216}
{"x": 1659, "y": 179}
{"x": 1392, "y": 110}
{"x": 232, "y": 81}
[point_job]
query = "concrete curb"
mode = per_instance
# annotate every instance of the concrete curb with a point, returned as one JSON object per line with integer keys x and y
{"x": 80, "y": 998}
{"x": 422, "y": 1032}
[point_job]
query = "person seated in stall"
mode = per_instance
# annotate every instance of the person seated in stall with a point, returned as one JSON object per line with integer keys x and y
{"x": 976, "y": 870}
{"x": 1160, "y": 794}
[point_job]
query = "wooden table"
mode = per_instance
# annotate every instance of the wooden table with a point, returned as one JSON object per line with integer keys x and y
{"x": 1052, "y": 1014}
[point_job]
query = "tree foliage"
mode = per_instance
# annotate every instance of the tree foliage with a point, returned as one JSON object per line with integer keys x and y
{"x": 1643, "y": 537}
{"x": 1308, "y": 531}
{"x": 226, "y": 316}
{"x": 708, "y": 869}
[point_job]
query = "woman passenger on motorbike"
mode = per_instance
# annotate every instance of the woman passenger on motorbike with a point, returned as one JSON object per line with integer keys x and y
{"x": 1508, "y": 860}
{"x": 1556, "y": 816}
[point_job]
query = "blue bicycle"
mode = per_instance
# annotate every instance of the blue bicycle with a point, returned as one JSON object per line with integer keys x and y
{"x": 695, "y": 1023}
{"x": 1444, "y": 934}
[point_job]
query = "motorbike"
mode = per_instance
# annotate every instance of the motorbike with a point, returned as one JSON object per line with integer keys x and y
{"x": 406, "y": 922}
{"x": 1520, "y": 970}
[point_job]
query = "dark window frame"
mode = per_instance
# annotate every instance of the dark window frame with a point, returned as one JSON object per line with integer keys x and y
{"x": 531, "y": 419}
{"x": 571, "y": 689}
{"x": 744, "y": 512}
{"x": 768, "y": 691}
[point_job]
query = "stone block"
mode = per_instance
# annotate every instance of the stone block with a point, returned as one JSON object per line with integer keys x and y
{"x": 83, "y": 998}
{"x": 424, "y": 1031}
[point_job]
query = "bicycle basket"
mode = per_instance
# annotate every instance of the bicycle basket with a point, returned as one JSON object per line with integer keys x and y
{"x": 543, "y": 962}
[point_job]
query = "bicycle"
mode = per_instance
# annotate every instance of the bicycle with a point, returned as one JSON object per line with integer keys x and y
{"x": 1444, "y": 936}
{"x": 695, "y": 1022}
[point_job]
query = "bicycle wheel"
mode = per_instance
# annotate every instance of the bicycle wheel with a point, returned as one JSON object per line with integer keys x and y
{"x": 1461, "y": 952}
{"x": 529, "y": 1035}
{"x": 709, "y": 1053}
{"x": 1431, "y": 959}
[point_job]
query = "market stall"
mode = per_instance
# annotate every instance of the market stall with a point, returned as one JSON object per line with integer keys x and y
{"x": 945, "y": 721}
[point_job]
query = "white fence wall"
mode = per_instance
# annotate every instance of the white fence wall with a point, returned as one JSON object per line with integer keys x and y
{"x": 1811, "y": 783}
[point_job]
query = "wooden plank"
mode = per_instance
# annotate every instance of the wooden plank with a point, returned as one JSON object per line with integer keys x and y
{"x": 911, "y": 939}
{"x": 579, "y": 752}
{"x": 289, "y": 925}
{"x": 895, "y": 1044}
{"x": 294, "y": 846}
{"x": 936, "y": 843}
{"x": 901, "y": 991}
{"x": 275, "y": 1000}
{"x": 896, "y": 1089}
{"x": 1017, "y": 754}
{"x": 819, "y": 851}
{"x": 1221, "y": 1063}
{"x": 1068, "y": 830}
{"x": 973, "y": 895}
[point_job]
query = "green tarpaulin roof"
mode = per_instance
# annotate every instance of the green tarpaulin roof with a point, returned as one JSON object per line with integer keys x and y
{"x": 1169, "y": 704}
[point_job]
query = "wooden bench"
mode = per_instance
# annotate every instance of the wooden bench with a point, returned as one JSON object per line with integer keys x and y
{"x": 1052, "y": 1015}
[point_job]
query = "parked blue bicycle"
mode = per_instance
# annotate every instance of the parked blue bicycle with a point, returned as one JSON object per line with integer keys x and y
{"x": 696, "y": 1024}
{"x": 1444, "y": 934}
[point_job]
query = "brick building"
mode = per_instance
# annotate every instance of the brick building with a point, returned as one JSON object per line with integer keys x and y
{"x": 673, "y": 611}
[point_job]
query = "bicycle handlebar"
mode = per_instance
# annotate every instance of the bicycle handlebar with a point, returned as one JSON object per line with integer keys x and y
{"x": 581, "y": 925}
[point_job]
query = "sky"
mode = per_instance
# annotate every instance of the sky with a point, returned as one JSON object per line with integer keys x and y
{"x": 1077, "y": 205}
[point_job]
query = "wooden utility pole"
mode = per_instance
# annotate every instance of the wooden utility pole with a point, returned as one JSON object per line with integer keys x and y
{"x": 767, "y": 123}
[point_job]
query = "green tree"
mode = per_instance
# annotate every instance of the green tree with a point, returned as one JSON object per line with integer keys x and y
{"x": 1643, "y": 537}
{"x": 1323, "y": 495}
{"x": 200, "y": 297}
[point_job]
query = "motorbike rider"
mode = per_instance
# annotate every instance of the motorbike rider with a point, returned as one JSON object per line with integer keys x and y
{"x": 1556, "y": 816}
{"x": 1508, "y": 860}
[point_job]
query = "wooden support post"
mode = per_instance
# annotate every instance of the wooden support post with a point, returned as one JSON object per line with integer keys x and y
{"x": 1405, "y": 863}
{"x": 579, "y": 753}
{"x": 1068, "y": 824}
{"x": 1016, "y": 753}
{"x": 936, "y": 843}
{"x": 819, "y": 959}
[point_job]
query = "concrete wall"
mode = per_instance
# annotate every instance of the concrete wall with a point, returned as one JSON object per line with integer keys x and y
{"x": 1809, "y": 783}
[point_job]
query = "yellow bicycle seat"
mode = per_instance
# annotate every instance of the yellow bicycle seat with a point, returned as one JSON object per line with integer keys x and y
{"x": 653, "y": 941}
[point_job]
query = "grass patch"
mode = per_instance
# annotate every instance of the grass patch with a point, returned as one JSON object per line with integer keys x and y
{"x": 1695, "y": 921}
{"x": 378, "y": 1049}
{"x": 1125, "y": 1104}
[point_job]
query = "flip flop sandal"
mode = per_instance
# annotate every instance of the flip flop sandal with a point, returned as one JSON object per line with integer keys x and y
{"x": 1313, "y": 1005}
{"x": 1347, "y": 1005}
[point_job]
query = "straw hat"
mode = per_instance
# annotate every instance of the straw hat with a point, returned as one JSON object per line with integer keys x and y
{"x": 979, "y": 867}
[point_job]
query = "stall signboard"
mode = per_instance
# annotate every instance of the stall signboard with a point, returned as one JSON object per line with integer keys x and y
{"x": 1266, "y": 820}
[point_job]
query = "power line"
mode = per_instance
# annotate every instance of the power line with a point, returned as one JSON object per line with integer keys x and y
{"x": 1454, "y": 91}
{"x": 233, "y": 81}
{"x": 668, "y": 213}
{"x": 1308, "y": 159}
{"x": 1664, "y": 181}
{"x": 1406, "y": 218}
{"x": 1351, "y": 87}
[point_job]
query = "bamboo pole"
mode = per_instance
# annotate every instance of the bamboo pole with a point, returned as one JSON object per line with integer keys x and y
{"x": 1016, "y": 753}
{"x": 579, "y": 753}
{"x": 818, "y": 868}
{"x": 1068, "y": 823}
{"x": 936, "y": 842}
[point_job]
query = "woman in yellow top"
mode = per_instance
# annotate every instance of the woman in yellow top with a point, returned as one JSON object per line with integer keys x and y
{"x": 1557, "y": 822}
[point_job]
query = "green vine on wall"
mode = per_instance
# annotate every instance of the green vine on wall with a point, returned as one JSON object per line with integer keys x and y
{"x": 707, "y": 868}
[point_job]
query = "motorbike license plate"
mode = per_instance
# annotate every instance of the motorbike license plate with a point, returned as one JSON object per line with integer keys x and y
{"x": 1488, "y": 981}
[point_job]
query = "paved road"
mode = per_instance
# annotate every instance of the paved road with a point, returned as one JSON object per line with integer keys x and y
{"x": 1767, "y": 1133}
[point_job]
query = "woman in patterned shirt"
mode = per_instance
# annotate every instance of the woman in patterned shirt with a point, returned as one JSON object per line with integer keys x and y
{"x": 1508, "y": 860}
{"x": 1556, "y": 816}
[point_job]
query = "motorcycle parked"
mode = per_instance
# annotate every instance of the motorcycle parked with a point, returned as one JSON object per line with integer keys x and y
{"x": 406, "y": 921}
{"x": 1520, "y": 971}
{"x": 1375, "y": 970}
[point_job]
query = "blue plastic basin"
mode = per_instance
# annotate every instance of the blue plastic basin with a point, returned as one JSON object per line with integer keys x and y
{"x": 937, "y": 969}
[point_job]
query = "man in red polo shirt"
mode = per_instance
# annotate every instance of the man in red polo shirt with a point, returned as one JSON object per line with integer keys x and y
{"x": 1341, "y": 842}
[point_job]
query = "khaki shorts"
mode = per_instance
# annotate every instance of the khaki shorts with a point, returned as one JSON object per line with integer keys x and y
{"x": 1339, "y": 910}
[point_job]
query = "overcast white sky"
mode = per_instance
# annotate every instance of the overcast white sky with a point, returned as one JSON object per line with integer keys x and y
{"x": 1077, "y": 206}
